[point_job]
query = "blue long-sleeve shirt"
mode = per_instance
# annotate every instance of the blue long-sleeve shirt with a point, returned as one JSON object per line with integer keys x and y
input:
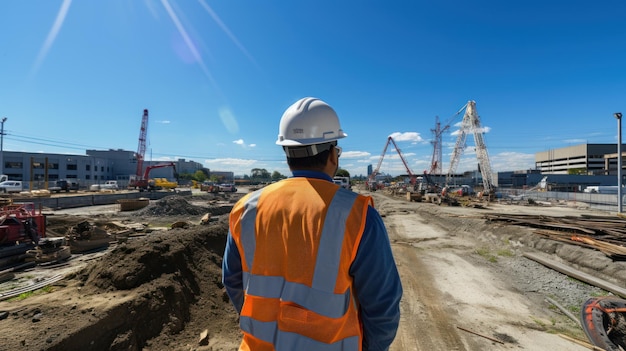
{"x": 376, "y": 280}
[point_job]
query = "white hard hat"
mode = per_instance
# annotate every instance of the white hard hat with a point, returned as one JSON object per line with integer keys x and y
{"x": 309, "y": 121}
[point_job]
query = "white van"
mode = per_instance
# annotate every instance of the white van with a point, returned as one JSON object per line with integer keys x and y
{"x": 342, "y": 181}
{"x": 11, "y": 186}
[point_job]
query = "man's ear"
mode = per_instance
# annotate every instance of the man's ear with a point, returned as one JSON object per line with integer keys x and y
{"x": 331, "y": 157}
{"x": 333, "y": 161}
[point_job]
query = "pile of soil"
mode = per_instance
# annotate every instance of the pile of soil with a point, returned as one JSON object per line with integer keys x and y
{"x": 156, "y": 292}
{"x": 174, "y": 205}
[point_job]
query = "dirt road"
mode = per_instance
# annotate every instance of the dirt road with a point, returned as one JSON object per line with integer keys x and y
{"x": 458, "y": 298}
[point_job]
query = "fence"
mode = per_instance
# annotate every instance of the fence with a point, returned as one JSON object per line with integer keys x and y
{"x": 602, "y": 202}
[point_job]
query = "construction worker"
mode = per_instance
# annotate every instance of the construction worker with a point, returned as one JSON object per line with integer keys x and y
{"x": 308, "y": 265}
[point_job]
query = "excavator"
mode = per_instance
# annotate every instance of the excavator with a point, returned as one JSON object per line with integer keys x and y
{"x": 144, "y": 182}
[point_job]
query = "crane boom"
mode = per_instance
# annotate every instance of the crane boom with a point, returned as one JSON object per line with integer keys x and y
{"x": 380, "y": 161}
{"x": 471, "y": 121}
{"x": 144, "y": 182}
{"x": 141, "y": 148}
{"x": 436, "y": 163}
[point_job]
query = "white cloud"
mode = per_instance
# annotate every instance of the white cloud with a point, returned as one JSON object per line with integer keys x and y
{"x": 242, "y": 143}
{"x": 231, "y": 161}
{"x": 575, "y": 141}
{"x": 512, "y": 161}
{"x": 354, "y": 154}
{"x": 407, "y": 136}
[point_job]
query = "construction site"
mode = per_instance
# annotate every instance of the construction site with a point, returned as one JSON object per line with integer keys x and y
{"x": 138, "y": 267}
{"x": 499, "y": 276}
{"x": 435, "y": 186}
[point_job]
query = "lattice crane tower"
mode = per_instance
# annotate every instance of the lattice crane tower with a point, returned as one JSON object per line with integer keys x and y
{"x": 436, "y": 163}
{"x": 141, "y": 148}
{"x": 471, "y": 122}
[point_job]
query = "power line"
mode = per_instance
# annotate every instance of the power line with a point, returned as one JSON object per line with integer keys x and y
{"x": 49, "y": 142}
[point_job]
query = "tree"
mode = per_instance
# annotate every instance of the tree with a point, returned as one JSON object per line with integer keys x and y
{"x": 577, "y": 171}
{"x": 199, "y": 176}
{"x": 276, "y": 175}
{"x": 342, "y": 173}
{"x": 259, "y": 175}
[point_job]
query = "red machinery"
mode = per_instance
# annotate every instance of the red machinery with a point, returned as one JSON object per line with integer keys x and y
{"x": 140, "y": 180}
{"x": 21, "y": 228}
{"x": 144, "y": 183}
{"x": 21, "y": 223}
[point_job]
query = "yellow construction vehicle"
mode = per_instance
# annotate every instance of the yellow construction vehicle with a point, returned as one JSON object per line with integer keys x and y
{"x": 163, "y": 183}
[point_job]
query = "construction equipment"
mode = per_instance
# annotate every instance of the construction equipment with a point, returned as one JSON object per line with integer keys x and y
{"x": 141, "y": 148}
{"x": 372, "y": 177}
{"x": 471, "y": 122}
{"x": 436, "y": 162}
{"x": 22, "y": 226}
{"x": 163, "y": 183}
{"x": 140, "y": 179}
{"x": 209, "y": 187}
{"x": 144, "y": 182}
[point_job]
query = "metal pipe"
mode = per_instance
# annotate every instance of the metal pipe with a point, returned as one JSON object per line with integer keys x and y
{"x": 4, "y": 119}
{"x": 618, "y": 115}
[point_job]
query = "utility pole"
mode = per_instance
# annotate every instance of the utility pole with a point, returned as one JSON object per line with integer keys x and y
{"x": 4, "y": 119}
{"x": 618, "y": 115}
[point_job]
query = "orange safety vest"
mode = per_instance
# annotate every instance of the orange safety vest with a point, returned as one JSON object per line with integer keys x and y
{"x": 297, "y": 239}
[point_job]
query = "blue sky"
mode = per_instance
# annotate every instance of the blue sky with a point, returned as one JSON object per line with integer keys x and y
{"x": 216, "y": 76}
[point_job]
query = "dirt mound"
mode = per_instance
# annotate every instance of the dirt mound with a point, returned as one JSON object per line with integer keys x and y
{"x": 158, "y": 292}
{"x": 180, "y": 206}
{"x": 174, "y": 205}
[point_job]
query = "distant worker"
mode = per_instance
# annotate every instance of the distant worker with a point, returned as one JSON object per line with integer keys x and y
{"x": 308, "y": 264}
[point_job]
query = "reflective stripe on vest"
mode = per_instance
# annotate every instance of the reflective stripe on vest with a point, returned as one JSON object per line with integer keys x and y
{"x": 267, "y": 331}
{"x": 320, "y": 297}
{"x": 248, "y": 219}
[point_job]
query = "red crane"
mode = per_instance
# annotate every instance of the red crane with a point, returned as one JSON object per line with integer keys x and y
{"x": 145, "y": 183}
{"x": 372, "y": 178}
{"x": 141, "y": 149}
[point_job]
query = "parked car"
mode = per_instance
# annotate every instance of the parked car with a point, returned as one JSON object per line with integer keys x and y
{"x": 227, "y": 188}
{"x": 109, "y": 185}
{"x": 342, "y": 181}
{"x": 11, "y": 186}
{"x": 64, "y": 185}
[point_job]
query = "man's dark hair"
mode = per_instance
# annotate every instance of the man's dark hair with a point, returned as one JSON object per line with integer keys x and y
{"x": 315, "y": 162}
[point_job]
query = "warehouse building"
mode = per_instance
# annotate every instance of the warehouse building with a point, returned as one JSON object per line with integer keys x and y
{"x": 590, "y": 159}
{"x": 96, "y": 167}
